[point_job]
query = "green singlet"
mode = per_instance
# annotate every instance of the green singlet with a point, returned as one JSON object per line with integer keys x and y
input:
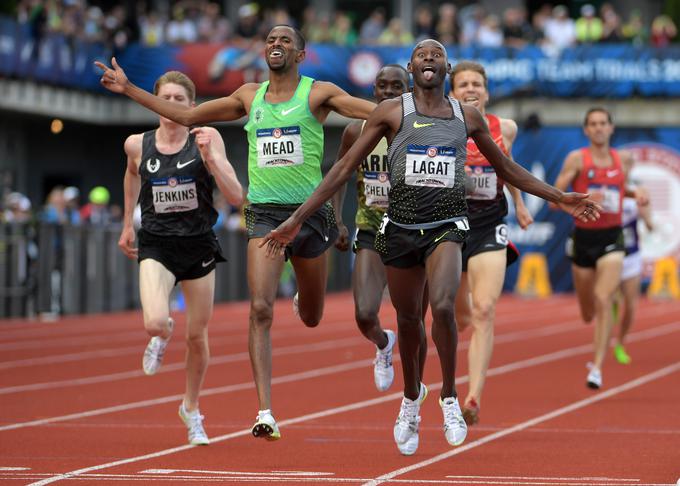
{"x": 285, "y": 148}
{"x": 373, "y": 187}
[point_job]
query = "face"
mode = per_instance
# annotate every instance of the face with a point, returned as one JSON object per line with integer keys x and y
{"x": 598, "y": 129}
{"x": 390, "y": 83}
{"x": 175, "y": 93}
{"x": 469, "y": 88}
{"x": 429, "y": 64}
{"x": 280, "y": 50}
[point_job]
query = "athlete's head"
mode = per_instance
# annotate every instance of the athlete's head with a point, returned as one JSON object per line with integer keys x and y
{"x": 285, "y": 47}
{"x": 598, "y": 125}
{"x": 392, "y": 80}
{"x": 469, "y": 84}
{"x": 429, "y": 64}
{"x": 177, "y": 87}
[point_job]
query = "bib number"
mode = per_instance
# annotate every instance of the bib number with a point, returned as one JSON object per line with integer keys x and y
{"x": 376, "y": 189}
{"x": 429, "y": 166}
{"x": 484, "y": 183}
{"x": 608, "y": 197}
{"x": 279, "y": 147}
{"x": 174, "y": 195}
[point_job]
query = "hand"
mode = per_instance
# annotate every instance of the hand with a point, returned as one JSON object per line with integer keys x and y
{"x": 126, "y": 242}
{"x": 523, "y": 216}
{"x": 204, "y": 144}
{"x": 641, "y": 196}
{"x": 579, "y": 206}
{"x": 342, "y": 243}
{"x": 277, "y": 240}
{"x": 113, "y": 79}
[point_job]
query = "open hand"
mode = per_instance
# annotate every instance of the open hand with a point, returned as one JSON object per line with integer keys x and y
{"x": 580, "y": 206}
{"x": 277, "y": 240}
{"x": 113, "y": 79}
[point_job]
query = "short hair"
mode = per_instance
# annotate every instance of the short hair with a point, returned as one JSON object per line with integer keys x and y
{"x": 597, "y": 109}
{"x": 469, "y": 66}
{"x": 404, "y": 71}
{"x": 176, "y": 77}
{"x": 299, "y": 38}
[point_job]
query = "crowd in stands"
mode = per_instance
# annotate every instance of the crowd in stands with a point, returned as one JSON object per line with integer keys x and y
{"x": 188, "y": 21}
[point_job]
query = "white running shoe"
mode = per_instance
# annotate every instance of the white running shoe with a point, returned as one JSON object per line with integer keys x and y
{"x": 296, "y": 305}
{"x": 194, "y": 422}
{"x": 153, "y": 354}
{"x": 422, "y": 394}
{"x": 594, "y": 379}
{"x": 383, "y": 371}
{"x": 455, "y": 428}
{"x": 265, "y": 426}
{"x": 406, "y": 426}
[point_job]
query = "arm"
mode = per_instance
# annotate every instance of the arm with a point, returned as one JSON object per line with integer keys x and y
{"x": 640, "y": 194}
{"x": 338, "y": 100}
{"x": 349, "y": 137}
{"x": 645, "y": 213}
{"x": 222, "y": 109}
{"x": 509, "y": 132}
{"x": 131, "y": 188}
{"x": 211, "y": 146}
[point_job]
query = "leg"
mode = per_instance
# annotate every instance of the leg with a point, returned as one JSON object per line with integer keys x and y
{"x": 422, "y": 350}
{"x": 463, "y": 304}
{"x": 584, "y": 284}
{"x": 199, "y": 294}
{"x": 155, "y": 284}
{"x": 368, "y": 284}
{"x": 630, "y": 289}
{"x": 263, "y": 281}
{"x": 311, "y": 275}
{"x": 486, "y": 273}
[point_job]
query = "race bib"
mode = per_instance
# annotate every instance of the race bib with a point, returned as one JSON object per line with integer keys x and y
{"x": 428, "y": 166}
{"x": 376, "y": 189}
{"x": 484, "y": 182}
{"x": 174, "y": 195}
{"x": 279, "y": 147}
{"x": 608, "y": 197}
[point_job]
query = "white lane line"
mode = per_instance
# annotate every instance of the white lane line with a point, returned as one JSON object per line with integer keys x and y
{"x": 601, "y": 395}
{"x": 517, "y": 365}
{"x": 543, "y": 478}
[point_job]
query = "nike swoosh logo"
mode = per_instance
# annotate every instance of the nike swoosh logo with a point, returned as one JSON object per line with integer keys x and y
{"x": 184, "y": 164}
{"x": 436, "y": 240}
{"x": 612, "y": 173}
{"x": 285, "y": 112}
{"x": 205, "y": 264}
{"x": 421, "y": 125}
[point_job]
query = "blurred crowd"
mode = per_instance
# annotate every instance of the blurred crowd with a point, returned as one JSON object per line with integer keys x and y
{"x": 551, "y": 26}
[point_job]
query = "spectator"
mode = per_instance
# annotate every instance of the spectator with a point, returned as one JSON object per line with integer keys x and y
{"x": 17, "y": 208}
{"x": 447, "y": 29}
{"x": 247, "y": 25}
{"x": 663, "y": 31}
{"x": 611, "y": 24}
{"x": 635, "y": 31}
{"x": 152, "y": 29}
{"x": 180, "y": 30}
{"x": 588, "y": 26}
{"x": 490, "y": 33}
{"x": 96, "y": 211}
{"x": 372, "y": 27}
{"x": 395, "y": 34}
{"x": 559, "y": 31}
{"x": 471, "y": 18}
{"x": 72, "y": 204}
{"x": 213, "y": 27}
{"x": 320, "y": 31}
{"x": 343, "y": 34}
{"x": 517, "y": 32}
{"x": 424, "y": 23}
{"x": 55, "y": 208}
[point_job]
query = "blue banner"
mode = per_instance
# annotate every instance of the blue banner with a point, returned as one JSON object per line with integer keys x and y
{"x": 613, "y": 70}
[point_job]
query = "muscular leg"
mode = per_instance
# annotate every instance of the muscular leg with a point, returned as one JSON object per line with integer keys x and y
{"x": 630, "y": 288}
{"x": 584, "y": 284}
{"x": 199, "y": 294}
{"x": 443, "y": 277}
{"x": 311, "y": 275}
{"x": 463, "y": 304}
{"x": 406, "y": 290}
{"x": 607, "y": 280}
{"x": 486, "y": 273}
{"x": 155, "y": 284}
{"x": 263, "y": 281}
{"x": 423, "y": 335}
{"x": 368, "y": 284}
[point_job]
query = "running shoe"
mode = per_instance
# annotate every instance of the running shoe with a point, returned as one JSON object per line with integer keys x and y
{"x": 621, "y": 355}
{"x": 296, "y": 306}
{"x": 594, "y": 379}
{"x": 471, "y": 412}
{"x": 455, "y": 429}
{"x": 194, "y": 422}
{"x": 406, "y": 426}
{"x": 422, "y": 394}
{"x": 383, "y": 371}
{"x": 265, "y": 426}
{"x": 153, "y": 354}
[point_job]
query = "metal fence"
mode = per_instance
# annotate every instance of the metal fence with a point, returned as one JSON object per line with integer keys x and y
{"x": 51, "y": 270}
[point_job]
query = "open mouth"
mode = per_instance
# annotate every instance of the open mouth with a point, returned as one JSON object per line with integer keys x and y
{"x": 428, "y": 72}
{"x": 276, "y": 53}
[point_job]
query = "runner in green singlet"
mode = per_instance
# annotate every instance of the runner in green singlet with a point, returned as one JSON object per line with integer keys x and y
{"x": 284, "y": 167}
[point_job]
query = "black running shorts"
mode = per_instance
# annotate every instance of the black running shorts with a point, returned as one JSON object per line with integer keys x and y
{"x": 490, "y": 237}
{"x": 187, "y": 257}
{"x": 364, "y": 240}
{"x": 586, "y": 246}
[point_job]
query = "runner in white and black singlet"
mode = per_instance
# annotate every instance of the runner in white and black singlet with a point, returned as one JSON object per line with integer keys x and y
{"x": 172, "y": 172}
{"x": 422, "y": 234}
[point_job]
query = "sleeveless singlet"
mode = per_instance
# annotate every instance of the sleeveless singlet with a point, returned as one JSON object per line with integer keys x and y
{"x": 427, "y": 175}
{"x": 373, "y": 187}
{"x": 285, "y": 148}
{"x": 487, "y": 204}
{"x": 176, "y": 190}
{"x": 629, "y": 220}
{"x": 606, "y": 186}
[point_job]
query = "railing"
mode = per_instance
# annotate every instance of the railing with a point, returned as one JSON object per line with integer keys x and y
{"x": 51, "y": 270}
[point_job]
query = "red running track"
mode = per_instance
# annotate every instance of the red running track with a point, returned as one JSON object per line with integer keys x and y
{"x": 76, "y": 406}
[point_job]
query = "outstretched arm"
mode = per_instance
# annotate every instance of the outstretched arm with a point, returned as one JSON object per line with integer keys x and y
{"x": 223, "y": 109}
{"x": 349, "y": 135}
{"x": 338, "y": 100}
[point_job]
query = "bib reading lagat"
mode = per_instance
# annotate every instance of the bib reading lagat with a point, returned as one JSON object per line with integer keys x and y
{"x": 279, "y": 147}
{"x": 376, "y": 189}
{"x": 484, "y": 181}
{"x": 429, "y": 166}
{"x": 174, "y": 195}
{"x": 607, "y": 196}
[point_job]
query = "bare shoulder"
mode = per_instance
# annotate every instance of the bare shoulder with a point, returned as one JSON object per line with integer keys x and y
{"x": 247, "y": 90}
{"x": 508, "y": 128}
{"x": 574, "y": 160}
{"x": 627, "y": 158}
{"x": 133, "y": 145}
